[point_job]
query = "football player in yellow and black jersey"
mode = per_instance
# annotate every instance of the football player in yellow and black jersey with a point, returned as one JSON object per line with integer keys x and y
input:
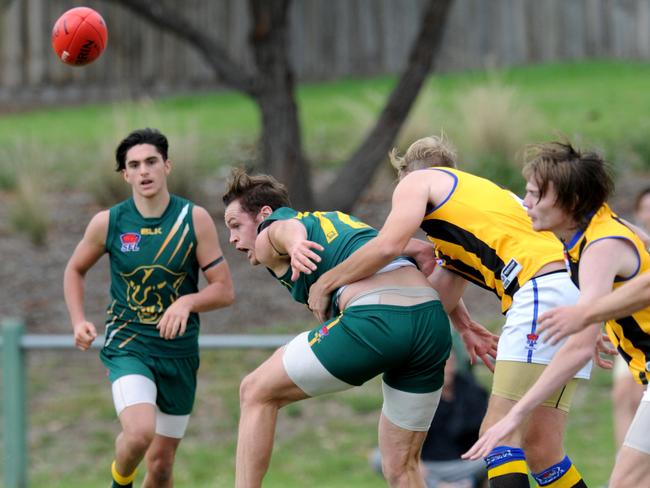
{"x": 156, "y": 243}
{"x": 390, "y": 323}
{"x": 566, "y": 193}
{"x": 482, "y": 235}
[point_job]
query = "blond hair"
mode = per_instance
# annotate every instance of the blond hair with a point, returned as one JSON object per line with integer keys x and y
{"x": 424, "y": 153}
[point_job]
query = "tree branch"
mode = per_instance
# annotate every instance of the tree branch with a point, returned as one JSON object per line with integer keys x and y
{"x": 170, "y": 20}
{"x": 353, "y": 177}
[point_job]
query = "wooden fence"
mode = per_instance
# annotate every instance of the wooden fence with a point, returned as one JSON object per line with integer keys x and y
{"x": 329, "y": 39}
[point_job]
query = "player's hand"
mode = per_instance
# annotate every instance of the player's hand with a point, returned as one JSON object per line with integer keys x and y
{"x": 174, "y": 321}
{"x": 303, "y": 258}
{"x": 493, "y": 436}
{"x": 560, "y": 322}
{"x": 319, "y": 302}
{"x": 480, "y": 343}
{"x": 84, "y": 334}
{"x": 604, "y": 346}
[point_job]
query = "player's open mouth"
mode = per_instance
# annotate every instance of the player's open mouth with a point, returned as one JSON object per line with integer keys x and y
{"x": 146, "y": 182}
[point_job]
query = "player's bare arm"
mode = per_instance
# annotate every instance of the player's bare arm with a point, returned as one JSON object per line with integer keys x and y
{"x": 424, "y": 253}
{"x": 86, "y": 254}
{"x": 219, "y": 291}
{"x": 562, "y": 321}
{"x": 284, "y": 243}
{"x": 409, "y": 203}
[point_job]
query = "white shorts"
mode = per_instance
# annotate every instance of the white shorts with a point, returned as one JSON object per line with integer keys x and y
{"x": 519, "y": 340}
{"x": 410, "y": 411}
{"x": 133, "y": 389}
{"x": 637, "y": 435}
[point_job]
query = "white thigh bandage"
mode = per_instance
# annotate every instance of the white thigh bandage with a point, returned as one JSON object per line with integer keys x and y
{"x": 637, "y": 435}
{"x": 306, "y": 371}
{"x": 410, "y": 411}
{"x": 133, "y": 389}
{"x": 171, "y": 425}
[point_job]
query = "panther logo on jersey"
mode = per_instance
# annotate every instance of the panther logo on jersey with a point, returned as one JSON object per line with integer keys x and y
{"x": 150, "y": 290}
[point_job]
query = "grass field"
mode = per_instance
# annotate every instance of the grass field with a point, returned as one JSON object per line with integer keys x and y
{"x": 322, "y": 442}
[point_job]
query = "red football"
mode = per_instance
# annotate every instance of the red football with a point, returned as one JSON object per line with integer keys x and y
{"x": 79, "y": 36}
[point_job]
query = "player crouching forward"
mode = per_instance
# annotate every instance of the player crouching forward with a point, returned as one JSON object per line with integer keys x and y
{"x": 390, "y": 323}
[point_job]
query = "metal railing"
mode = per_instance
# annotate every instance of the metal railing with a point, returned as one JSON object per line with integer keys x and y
{"x": 14, "y": 343}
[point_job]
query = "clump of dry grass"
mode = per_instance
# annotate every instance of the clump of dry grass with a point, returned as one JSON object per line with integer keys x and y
{"x": 29, "y": 212}
{"x": 495, "y": 123}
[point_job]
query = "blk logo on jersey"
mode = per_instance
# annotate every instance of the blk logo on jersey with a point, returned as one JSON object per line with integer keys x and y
{"x": 130, "y": 241}
{"x": 146, "y": 231}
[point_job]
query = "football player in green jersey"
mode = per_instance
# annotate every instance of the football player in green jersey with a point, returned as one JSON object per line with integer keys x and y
{"x": 156, "y": 243}
{"x": 390, "y": 323}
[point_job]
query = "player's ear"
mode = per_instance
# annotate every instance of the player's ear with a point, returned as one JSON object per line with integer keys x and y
{"x": 168, "y": 166}
{"x": 265, "y": 211}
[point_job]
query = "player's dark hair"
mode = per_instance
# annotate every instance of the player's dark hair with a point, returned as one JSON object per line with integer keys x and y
{"x": 582, "y": 180}
{"x": 255, "y": 192}
{"x": 140, "y": 136}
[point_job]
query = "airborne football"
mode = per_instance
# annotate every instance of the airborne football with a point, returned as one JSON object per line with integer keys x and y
{"x": 79, "y": 36}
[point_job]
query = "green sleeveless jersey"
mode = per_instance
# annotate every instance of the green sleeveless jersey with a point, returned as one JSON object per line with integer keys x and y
{"x": 153, "y": 262}
{"x": 340, "y": 235}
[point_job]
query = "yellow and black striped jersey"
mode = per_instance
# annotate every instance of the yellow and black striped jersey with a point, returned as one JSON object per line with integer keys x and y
{"x": 482, "y": 232}
{"x": 630, "y": 335}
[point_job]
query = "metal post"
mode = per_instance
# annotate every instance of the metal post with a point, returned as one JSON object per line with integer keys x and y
{"x": 13, "y": 378}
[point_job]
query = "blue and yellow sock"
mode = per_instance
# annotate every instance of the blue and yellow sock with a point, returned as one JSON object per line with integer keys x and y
{"x": 507, "y": 468}
{"x": 120, "y": 481}
{"x": 561, "y": 475}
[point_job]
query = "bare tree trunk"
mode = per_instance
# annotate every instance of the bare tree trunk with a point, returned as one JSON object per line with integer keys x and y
{"x": 273, "y": 89}
{"x": 353, "y": 177}
{"x": 282, "y": 152}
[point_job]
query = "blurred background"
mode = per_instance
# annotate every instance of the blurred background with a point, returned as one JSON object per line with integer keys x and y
{"x": 315, "y": 92}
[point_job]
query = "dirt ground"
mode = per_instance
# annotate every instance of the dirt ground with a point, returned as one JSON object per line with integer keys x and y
{"x": 31, "y": 276}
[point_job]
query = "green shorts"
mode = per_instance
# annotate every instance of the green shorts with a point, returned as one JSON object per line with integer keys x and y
{"x": 409, "y": 345}
{"x": 175, "y": 378}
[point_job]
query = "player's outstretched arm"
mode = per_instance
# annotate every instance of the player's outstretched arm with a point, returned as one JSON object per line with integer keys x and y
{"x": 219, "y": 291}
{"x": 602, "y": 261}
{"x": 91, "y": 247}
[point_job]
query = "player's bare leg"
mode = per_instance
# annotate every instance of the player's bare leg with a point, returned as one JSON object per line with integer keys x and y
{"x": 160, "y": 462}
{"x": 262, "y": 393}
{"x": 400, "y": 454}
{"x": 138, "y": 428}
{"x": 632, "y": 468}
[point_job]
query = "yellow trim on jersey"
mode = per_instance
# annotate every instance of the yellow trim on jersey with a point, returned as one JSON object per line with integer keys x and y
{"x": 508, "y": 468}
{"x": 187, "y": 253}
{"x": 126, "y": 341}
{"x": 355, "y": 224}
{"x": 186, "y": 229}
{"x": 172, "y": 231}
